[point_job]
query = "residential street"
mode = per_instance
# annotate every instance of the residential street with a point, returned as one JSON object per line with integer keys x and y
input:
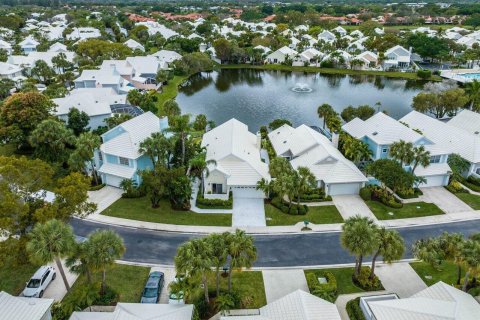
{"x": 285, "y": 250}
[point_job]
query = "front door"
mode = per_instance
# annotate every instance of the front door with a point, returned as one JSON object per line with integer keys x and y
{"x": 217, "y": 188}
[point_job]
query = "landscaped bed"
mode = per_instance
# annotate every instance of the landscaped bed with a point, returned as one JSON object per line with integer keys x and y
{"x": 409, "y": 210}
{"x": 141, "y": 209}
{"x": 315, "y": 215}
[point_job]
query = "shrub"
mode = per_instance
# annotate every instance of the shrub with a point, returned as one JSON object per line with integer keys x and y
{"x": 203, "y": 203}
{"x": 110, "y": 297}
{"x": 474, "y": 180}
{"x": 97, "y": 187}
{"x": 326, "y": 291}
{"x": 456, "y": 187}
{"x": 354, "y": 311}
{"x": 366, "y": 193}
{"x": 470, "y": 183}
{"x": 424, "y": 74}
{"x": 363, "y": 281}
{"x": 294, "y": 210}
{"x": 315, "y": 195}
{"x": 385, "y": 197}
{"x": 131, "y": 189}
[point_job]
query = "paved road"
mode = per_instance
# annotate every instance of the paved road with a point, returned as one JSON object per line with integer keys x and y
{"x": 307, "y": 249}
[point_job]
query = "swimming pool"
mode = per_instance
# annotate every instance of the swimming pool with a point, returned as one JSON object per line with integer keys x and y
{"x": 471, "y": 75}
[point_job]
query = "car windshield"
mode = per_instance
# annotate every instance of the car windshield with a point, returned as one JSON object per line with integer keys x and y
{"x": 150, "y": 293}
{"x": 33, "y": 283}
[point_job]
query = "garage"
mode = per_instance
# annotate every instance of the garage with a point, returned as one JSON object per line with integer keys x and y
{"x": 435, "y": 181}
{"x": 113, "y": 181}
{"x": 337, "y": 189}
{"x": 247, "y": 192}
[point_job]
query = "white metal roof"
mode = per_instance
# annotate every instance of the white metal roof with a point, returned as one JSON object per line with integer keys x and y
{"x": 236, "y": 153}
{"x": 468, "y": 121}
{"x": 450, "y": 137}
{"x": 8, "y": 68}
{"x": 20, "y": 308}
{"x": 167, "y": 55}
{"x": 132, "y": 44}
{"x": 84, "y": 101}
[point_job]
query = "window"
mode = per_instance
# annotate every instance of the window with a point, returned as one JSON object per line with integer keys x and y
{"x": 435, "y": 159}
{"x": 100, "y": 157}
{"x": 384, "y": 150}
{"x": 123, "y": 161}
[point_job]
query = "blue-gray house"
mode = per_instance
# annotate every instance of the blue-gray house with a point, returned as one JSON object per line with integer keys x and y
{"x": 381, "y": 131}
{"x": 119, "y": 157}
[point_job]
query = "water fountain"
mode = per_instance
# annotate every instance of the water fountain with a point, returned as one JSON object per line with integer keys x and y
{"x": 302, "y": 88}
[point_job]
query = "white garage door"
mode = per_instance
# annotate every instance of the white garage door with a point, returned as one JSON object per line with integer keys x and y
{"x": 343, "y": 188}
{"x": 435, "y": 181}
{"x": 247, "y": 192}
{"x": 113, "y": 181}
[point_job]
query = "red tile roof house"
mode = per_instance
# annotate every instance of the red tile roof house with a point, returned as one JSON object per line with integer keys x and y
{"x": 138, "y": 18}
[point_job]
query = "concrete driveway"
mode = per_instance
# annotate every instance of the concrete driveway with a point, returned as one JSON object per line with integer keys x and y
{"x": 400, "y": 278}
{"x": 56, "y": 290}
{"x": 444, "y": 199}
{"x": 351, "y": 205}
{"x": 280, "y": 282}
{"x": 248, "y": 209}
{"x": 169, "y": 274}
{"x": 104, "y": 197}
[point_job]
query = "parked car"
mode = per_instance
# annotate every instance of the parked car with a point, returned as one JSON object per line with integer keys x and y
{"x": 39, "y": 282}
{"x": 153, "y": 288}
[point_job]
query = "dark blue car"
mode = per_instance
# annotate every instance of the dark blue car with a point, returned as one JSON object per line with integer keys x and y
{"x": 153, "y": 288}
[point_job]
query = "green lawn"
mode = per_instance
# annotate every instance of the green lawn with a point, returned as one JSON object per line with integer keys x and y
{"x": 447, "y": 272}
{"x": 343, "y": 276}
{"x": 169, "y": 91}
{"x": 141, "y": 209}
{"x": 409, "y": 210}
{"x": 13, "y": 273}
{"x": 389, "y": 74}
{"x": 315, "y": 215}
{"x": 249, "y": 285}
{"x": 128, "y": 281}
{"x": 471, "y": 199}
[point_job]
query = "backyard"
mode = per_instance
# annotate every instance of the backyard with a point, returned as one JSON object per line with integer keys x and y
{"x": 315, "y": 215}
{"x": 141, "y": 209}
{"x": 409, "y": 210}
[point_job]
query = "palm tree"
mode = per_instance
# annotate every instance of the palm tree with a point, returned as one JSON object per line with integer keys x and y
{"x": 472, "y": 89}
{"x": 225, "y": 303}
{"x": 218, "y": 245}
{"x": 304, "y": 181}
{"x": 452, "y": 244}
{"x": 402, "y": 151}
{"x": 198, "y": 168}
{"x": 193, "y": 259}
{"x": 471, "y": 257}
{"x": 334, "y": 123}
{"x": 85, "y": 146}
{"x": 324, "y": 111}
{"x": 51, "y": 242}
{"x": 242, "y": 252}
{"x": 265, "y": 185}
{"x": 157, "y": 147}
{"x": 104, "y": 247}
{"x": 390, "y": 246}
{"x": 181, "y": 128}
{"x": 420, "y": 157}
{"x": 79, "y": 262}
{"x": 359, "y": 238}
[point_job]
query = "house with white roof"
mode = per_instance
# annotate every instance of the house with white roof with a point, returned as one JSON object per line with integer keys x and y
{"x": 52, "y": 33}
{"x": 298, "y": 305}
{"x": 439, "y": 301}
{"x": 236, "y": 152}
{"x": 119, "y": 157}
{"x": 305, "y": 147}
{"x": 28, "y": 44}
{"x": 309, "y": 57}
{"x": 357, "y": 33}
{"x": 166, "y": 57}
{"x": 10, "y": 71}
{"x": 83, "y": 33}
{"x": 341, "y": 31}
{"x": 134, "y": 45}
{"x": 22, "y": 308}
{"x": 397, "y": 58}
{"x": 339, "y": 57}
{"x": 280, "y": 55}
{"x": 4, "y": 45}
{"x": 380, "y": 131}
{"x": 263, "y": 48}
{"x": 58, "y": 47}
{"x": 139, "y": 311}
{"x": 369, "y": 60}
{"x": 103, "y": 78}
{"x": 155, "y": 27}
{"x": 327, "y": 36}
{"x": 97, "y": 110}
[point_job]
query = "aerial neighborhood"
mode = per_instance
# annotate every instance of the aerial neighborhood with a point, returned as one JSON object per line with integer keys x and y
{"x": 260, "y": 160}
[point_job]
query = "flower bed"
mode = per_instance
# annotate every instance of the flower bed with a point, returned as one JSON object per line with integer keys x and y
{"x": 327, "y": 291}
{"x": 381, "y": 195}
{"x": 294, "y": 209}
{"x": 204, "y": 203}
{"x": 316, "y": 195}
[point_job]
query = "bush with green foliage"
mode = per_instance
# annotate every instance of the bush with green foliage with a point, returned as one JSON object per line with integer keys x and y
{"x": 204, "y": 203}
{"x": 366, "y": 193}
{"x": 354, "y": 311}
{"x": 315, "y": 195}
{"x": 471, "y": 183}
{"x": 456, "y": 187}
{"x": 327, "y": 291}
{"x": 294, "y": 209}
{"x": 384, "y": 196}
{"x": 409, "y": 193}
{"x": 97, "y": 187}
{"x": 363, "y": 281}
{"x": 424, "y": 74}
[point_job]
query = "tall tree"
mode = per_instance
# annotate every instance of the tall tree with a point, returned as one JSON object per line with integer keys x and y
{"x": 42, "y": 72}
{"x": 158, "y": 148}
{"x": 420, "y": 157}
{"x": 82, "y": 158}
{"x": 61, "y": 63}
{"x": 472, "y": 89}
{"x": 402, "y": 152}
{"x": 304, "y": 180}
{"x": 181, "y": 128}
{"x": 104, "y": 246}
{"x": 389, "y": 245}
{"x": 199, "y": 167}
{"x": 359, "y": 238}
{"x": 52, "y": 140}
{"x": 20, "y": 114}
{"x": 77, "y": 121}
{"x": 242, "y": 252}
{"x": 324, "y": 111}
{"x": 218, "y": 244}
{"x": 171, "y": 109}
{"x": 51, "y": 241}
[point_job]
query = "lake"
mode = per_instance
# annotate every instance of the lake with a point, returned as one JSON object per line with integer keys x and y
{"x": 257, "y": 97}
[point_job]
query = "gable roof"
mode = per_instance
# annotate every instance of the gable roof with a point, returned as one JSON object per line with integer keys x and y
{"x": 132, "y": 133}
{"x": 83, "y": 101}
{"x": 468, "y": 121}
{"x": 398, "y": 50}
{"x": 311, "y": 149}
{"x": 449, "y": 137}
{"x": 20, "y": 308}
{"x": 236, "y": 153}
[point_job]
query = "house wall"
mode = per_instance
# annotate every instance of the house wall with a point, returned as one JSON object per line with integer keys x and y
{"x": 216, "y": 177}
{"x": 144, "y": 163}
{"x": 276, "y": 55}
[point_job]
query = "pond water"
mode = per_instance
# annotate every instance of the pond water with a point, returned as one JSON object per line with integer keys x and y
{"x": 257, "y": 97}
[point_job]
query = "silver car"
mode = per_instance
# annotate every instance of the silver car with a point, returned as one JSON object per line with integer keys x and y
{"x": 39, "y": 282}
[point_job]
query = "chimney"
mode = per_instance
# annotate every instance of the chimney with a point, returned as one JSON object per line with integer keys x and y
{"x": 335, "y": 138}
{"x": 259, "y": 140}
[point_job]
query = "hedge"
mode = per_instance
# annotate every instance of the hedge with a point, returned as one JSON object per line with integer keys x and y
{"x": 327, "y": 290}
{"x": 366, "y": 193}
{"x": 424, "y": 73}
{"x": 97, "y": 187}
{"x": 416, "y": 193}
{"x": 363, "y": 281}
{"x": 294, "y": 210}
{"x": 354, "y": 311}
{"x": 204, "y": 203}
